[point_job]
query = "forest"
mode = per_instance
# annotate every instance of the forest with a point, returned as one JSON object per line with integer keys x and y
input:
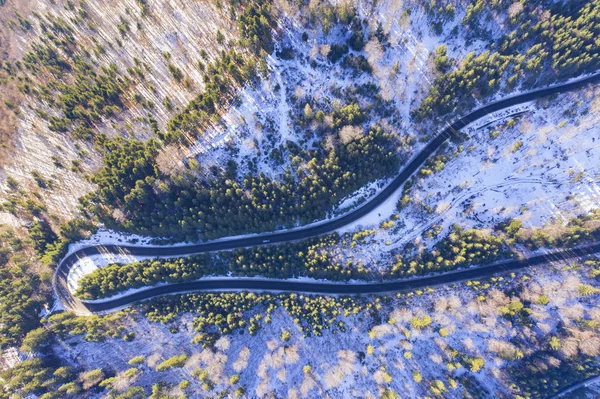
{"x": 134, "y": 192}
{"x": 508, "y": 300}
{"x": 315, "y": 258}
{"x": 22, "y": 292}
{"x": 250, "y": 311}
{"x": 536, "y": 52}
{"x": 217, "y": 314}
{"x": 26, "y": 266}
{"x": 28, "y": 256}
{"x": 231, "y": 70}
{"x": 183, "y": 207}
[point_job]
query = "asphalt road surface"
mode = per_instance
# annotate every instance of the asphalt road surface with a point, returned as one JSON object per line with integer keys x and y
{"x": 274, "y": 285}
{"x": 81, "y": 307}
{"x": 568, "y": 391}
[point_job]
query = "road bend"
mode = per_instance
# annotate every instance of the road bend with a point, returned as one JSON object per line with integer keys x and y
{"x": 73, "y": 304}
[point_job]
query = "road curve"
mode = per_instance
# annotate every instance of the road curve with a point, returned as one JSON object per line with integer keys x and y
{"x": 73, "y": 304}
{"x": 582, "y": 384}
{"x": 339, "y": 288}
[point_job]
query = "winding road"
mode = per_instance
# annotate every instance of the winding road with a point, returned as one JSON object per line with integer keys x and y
{"x": 87, "y": 307}
{"x": 571, "y": 388}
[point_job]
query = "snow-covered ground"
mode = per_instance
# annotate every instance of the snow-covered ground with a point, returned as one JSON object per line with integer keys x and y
{"x": 553, "y": 175}
{"x": 106, "y": 237}
{"x": 538, "y": 167}
{"x": 372, "y": 354}
{"x": 88, "y": 264}
{"x": 401, "y": 70}
{"x": 545, "y": 163}
{"x": 541, "y": 167}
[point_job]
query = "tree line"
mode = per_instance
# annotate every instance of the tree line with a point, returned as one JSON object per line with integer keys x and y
{"x": 184, "y": 207}
{"x": 313, "y": 258}
{"x": 534, "y": 53}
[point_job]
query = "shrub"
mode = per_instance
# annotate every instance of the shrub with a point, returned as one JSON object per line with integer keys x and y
{"x": 173, "y": 362}
{"x": 134, "y": 361}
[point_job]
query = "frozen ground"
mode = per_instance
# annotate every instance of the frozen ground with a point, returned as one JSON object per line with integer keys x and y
{"x": 371, "y": 355}
{"x": 553, "y": 175}
{"x": 263, "y": 119}
{"x": 401, "y": 70}
{"x": 540, "y": 166}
